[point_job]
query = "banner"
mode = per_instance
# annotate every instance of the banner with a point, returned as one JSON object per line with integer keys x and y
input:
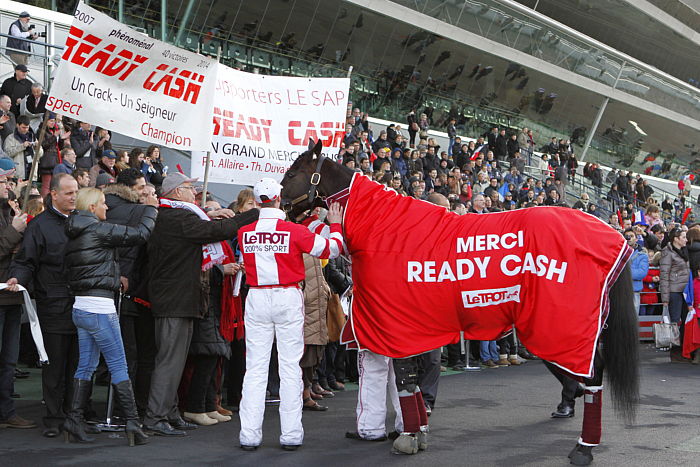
{"x": 262, "y": 123}
{"x": 120, "y": 79}
{"x": 423, "y": 274}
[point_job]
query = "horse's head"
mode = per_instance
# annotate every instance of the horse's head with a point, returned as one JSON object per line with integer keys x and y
{"x": 299, "y": 183}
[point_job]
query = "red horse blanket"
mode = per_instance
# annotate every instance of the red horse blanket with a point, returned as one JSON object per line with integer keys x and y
{"x": 423, "y": 274}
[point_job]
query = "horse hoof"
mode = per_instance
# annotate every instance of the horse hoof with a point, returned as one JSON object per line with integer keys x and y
{"x": 405, "y": 444}
{"x": 581, "y": 455}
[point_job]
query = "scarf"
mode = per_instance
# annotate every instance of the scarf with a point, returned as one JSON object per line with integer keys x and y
{"x": 682, "y": 252}
{"x": 212, "y": 253}
{"x": 231, "y": 325}
{"x": 28, "y": 151}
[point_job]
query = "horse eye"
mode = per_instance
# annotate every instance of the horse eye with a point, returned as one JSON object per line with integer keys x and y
{"x": 290, "y": 174}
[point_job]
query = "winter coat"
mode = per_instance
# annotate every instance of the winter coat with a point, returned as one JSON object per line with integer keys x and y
{"x": 650, "y": 295}
{"x": 501, "y": 150}
{"x": 91, "y": 253}
{"x": 99, "y": 168}
{"x": 39, "y": 265}
{"x": 15, "y": 151}
{"x": 125, "y": 209}
{"x": 640, "y": 267}
{"x": 337, "y": 275}
{"x": 316, "y": 295}
{"x": 694, "y": 257}
{"x": 512, "y": 146}
{"x": 206, "y": 337}
{"x": 9, "y": 241}
{"x": 177, "y": 288}
{"x": 674, "y": 274}
{"x": 64, "y": 167}
{"x": 80, "y": 142}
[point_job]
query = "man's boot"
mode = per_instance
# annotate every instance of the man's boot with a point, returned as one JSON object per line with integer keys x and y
{"x": 74, "y": 425}
{"x": 125, "y": 396}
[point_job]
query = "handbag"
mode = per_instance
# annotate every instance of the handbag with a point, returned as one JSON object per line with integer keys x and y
{"x": 414, "y": 126}
{"x": 335, "y": 318}
{"x": 666, "y": 333}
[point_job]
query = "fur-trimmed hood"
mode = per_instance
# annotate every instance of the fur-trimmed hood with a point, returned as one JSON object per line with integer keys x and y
{"x": 123, "y": 192}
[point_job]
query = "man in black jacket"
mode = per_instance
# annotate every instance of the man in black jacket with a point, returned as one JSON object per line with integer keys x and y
{"x": 17, "y": 87}
{"x": 39, "y": 265}
{"x": 136, "y": 319}
{"x": 501, "y": 149}
{"x": 11, "y": 228}
{"x": 178, "y": 290}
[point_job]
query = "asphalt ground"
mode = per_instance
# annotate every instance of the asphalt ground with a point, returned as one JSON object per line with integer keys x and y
{"x": 494, "y": 417}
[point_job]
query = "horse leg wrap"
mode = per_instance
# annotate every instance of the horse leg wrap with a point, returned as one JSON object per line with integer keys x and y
{"x": 406, "y": 374}
{"x": 423, "y": 414}
{"x": 593, "y": 404}
{"x": 409, "y": 412}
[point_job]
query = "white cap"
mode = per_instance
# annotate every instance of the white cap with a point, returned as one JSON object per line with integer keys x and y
{"x": 268, "y": 189}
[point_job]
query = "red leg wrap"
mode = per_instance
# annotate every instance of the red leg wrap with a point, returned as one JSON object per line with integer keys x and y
{"x": 409, "y": 413}
{"x": 423, "y": 415}
{"x": 593, "y": 401}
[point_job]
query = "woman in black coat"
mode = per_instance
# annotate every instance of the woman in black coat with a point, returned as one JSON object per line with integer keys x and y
{"x": 93, "y": 278}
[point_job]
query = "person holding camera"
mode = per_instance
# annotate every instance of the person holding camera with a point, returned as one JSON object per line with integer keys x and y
{"x": 19, "y": 49}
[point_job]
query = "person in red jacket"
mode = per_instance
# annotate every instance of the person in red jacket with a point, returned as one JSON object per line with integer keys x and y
{"x": 650, "y": 287}
{"x": 272, "y": 253}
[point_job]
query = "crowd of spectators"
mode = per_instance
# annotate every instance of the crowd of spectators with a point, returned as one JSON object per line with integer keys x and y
{"x": 186, "y": 355}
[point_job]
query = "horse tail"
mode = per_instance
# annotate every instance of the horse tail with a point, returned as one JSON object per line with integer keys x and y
{"x": 621, "y": 347}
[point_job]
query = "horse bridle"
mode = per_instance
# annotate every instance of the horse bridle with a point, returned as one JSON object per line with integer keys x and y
{"x": 315, "y": 180}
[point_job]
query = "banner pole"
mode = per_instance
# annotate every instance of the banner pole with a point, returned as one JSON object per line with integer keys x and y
{"x": 206, "y": 180}
{"x": 349, "y": 71}
{"x": 206, "y": 167}
{"x": 35, "y": 161}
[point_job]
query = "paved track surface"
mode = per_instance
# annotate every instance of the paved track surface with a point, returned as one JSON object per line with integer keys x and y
{"x": 494, "y": 417}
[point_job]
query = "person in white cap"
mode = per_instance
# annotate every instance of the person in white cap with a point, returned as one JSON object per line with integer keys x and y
{"x": 272, "y": 252}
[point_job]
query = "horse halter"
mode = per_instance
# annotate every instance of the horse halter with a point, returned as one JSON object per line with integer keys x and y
{"x": 315, "y": 180}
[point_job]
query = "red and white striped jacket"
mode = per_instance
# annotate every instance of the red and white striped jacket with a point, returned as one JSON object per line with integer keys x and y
{"x": 315, "y": 225}
{"x": 272, "y": 248}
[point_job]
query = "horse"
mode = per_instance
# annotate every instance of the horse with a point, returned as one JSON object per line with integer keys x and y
{"x": 315, "y": 181}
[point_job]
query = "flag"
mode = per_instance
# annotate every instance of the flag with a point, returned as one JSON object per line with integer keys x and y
{"x": 686, "y": 213}
{"x": 478, "y": 151}
{"x": 691, "y": 334}
{"x": 502, "y": 191}
{"x": 639, "y": 218}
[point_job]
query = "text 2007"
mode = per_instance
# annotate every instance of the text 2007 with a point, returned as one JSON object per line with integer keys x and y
{"x": 83, "y": 17}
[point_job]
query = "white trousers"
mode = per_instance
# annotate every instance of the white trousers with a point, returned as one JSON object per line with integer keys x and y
{"x": 273, "y": 313}
{"x": 376, "y": 374}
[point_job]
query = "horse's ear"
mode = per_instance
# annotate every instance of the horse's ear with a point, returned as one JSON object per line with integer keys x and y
{"x": 311, "y": 144}
{"x": 318, "y": 148}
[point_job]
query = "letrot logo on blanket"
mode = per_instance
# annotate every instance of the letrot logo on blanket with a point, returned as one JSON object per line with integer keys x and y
{"x": 258, "y": 242}
{"x": 486, "y": 297}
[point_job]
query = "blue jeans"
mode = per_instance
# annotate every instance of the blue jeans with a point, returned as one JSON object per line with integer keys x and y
{"x": 676, "y": 303}
{"x": 449, "y": 148}
{"x": 100, "y": 333}
{"x": 10, "y": 316}
{"x": 489, "y": 351}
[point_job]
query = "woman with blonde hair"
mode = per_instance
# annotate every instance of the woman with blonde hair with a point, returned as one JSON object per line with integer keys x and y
{"x": 93, "y": 277}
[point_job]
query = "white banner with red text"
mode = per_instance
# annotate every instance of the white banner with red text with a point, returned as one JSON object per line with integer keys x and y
{"x": 120, "y": 79}
{"x": 262, "y": 123}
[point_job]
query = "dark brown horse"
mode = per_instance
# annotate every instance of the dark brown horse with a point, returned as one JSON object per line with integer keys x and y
{"x": 312, "y": 179}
